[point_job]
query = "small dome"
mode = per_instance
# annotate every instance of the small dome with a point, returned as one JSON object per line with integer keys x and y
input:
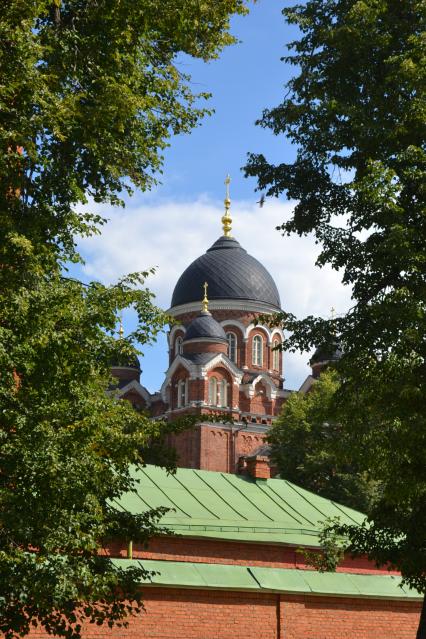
{"x": 326, "y": 353}
{"x": 205, "y": 326}
{"x": 231, "y": 273}
{"x": 126, "y": 361}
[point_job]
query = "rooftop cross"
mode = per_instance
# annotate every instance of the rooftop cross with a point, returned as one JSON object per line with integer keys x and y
{"x": 205, "y": 303}
{"x": 226, "y": 219}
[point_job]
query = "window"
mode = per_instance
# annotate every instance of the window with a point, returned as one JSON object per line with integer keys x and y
{"x": 213, "y": 391}
{"x": 276, "y": 356}
{"x": 182, "y": 394}
{"x": 232, "y": 346}
{"x": 178, "y": 346}
{"x": 223, "y": 393}
{"x": 257, "y": 356}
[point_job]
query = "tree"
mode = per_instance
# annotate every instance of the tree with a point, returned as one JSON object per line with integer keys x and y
{"x": 356, "y": 112}
{"x": 90, "y": 94}
{"x": 309, "y": 447}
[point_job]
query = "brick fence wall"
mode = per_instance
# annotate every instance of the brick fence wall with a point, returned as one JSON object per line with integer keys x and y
{"x": 214, "y": 551}
{"x": 208, "y": 614}
{"x": 346, "y": 618}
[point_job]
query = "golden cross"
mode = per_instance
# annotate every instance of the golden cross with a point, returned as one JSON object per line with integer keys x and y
{"x": 205, "y": 303}
{"x": 227, "y": 183}
{"x": 226, "y": 219}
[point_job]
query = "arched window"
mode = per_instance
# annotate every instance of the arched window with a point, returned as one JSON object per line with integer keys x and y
{"x": 213, "y": 391}
{"x": 257, "y": 357}
{"x": 223, "y": 393}
{"x": 232, "y": 346}
{"x": 178, "y": 346}
{"x": 276, "y": 356}
{"x": 182, "y": 395}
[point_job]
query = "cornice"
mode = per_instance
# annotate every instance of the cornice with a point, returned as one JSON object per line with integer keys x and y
{"x": 250, "y": 306}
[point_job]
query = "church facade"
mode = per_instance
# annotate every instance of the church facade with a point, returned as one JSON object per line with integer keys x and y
{"x": 223, "y": 359}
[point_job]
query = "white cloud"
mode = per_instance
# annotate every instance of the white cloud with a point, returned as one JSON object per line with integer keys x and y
{"x": 170, "y": 235}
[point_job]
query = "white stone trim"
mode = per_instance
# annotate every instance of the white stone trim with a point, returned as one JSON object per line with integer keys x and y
{"x": 171, "y": 334}
{"x": 250, "y": 306}
{"x": 178, "y": 361}
{"x": 307, "y": 384}
{"x": 126, "y": 368}
{"x": 222, "y": 360}
{"x": 252, "y": 326}
{"x": 279, "y": 332}
{"x": 271, "y": 389}
{"x": 138, "y": 388}
{"x": 235, "y": 323}
{"x": 284, "y": 393}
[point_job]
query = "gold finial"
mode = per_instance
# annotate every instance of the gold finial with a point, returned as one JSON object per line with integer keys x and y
{"x": 226, "y": 219}
{"x": 120, "y": 329}
{"x": 205, "y": 303}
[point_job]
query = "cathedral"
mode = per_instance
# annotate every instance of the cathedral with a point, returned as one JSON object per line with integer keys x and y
{"x": 232, "y": 561}
{"x": 223, "y": 359}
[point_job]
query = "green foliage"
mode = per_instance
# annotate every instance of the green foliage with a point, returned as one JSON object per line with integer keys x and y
{"x": 90, "y": 94}
{"x": 355, "y": 110}
{"x": 332, "y": 548}
{"x": 309, "y": 447}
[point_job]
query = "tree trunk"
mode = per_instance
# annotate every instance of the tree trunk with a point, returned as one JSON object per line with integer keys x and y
{"x": 421, "y": 630}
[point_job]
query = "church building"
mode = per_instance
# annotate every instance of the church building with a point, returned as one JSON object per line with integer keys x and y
{"x": 223, "y": 360}
{"x": 233, "y": 565}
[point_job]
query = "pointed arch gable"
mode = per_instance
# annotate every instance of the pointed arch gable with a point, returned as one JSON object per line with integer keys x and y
{"x": 270, "y": 386}
{"x": 137, "y": 388}
{"x": 178, "y": 361}
{"x": 222, "y": 360}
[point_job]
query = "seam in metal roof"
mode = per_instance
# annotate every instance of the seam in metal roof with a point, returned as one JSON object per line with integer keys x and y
{"x": 217, "y": 505}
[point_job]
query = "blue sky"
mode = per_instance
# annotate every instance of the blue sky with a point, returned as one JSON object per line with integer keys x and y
{"x": 176, "y": 222}
{"x": 248, "y": 77}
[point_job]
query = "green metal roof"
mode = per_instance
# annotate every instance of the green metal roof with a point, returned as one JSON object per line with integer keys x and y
{"x": 234, "y": 507}
{"x": 179, "y": 574}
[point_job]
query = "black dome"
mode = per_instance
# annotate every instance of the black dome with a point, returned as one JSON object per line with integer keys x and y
{"x": 205, "y": 326}
{"x": 231, "y": 273}
{"x": 124, "y": 358}
{"x": 327, "y": 353}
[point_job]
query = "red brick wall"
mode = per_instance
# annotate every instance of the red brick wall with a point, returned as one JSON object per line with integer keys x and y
{"x": 172, "y": 353}
{"x": 247, "y": 443}
{"x": 187, "y": 445}
{"x": 213, "y": 551}
{"x": 209, "y": 614}
{"x": 135, "y": 399}
{"x": 215, "y": 449}
{"x": 304, "y": 617}
{"x": 205, "y": 347}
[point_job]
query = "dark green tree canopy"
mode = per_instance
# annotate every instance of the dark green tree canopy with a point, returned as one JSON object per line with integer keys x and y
{"x": 90, "y": 94}
{"x": 356, "y": 112}
{"x": 309, "y": 447}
